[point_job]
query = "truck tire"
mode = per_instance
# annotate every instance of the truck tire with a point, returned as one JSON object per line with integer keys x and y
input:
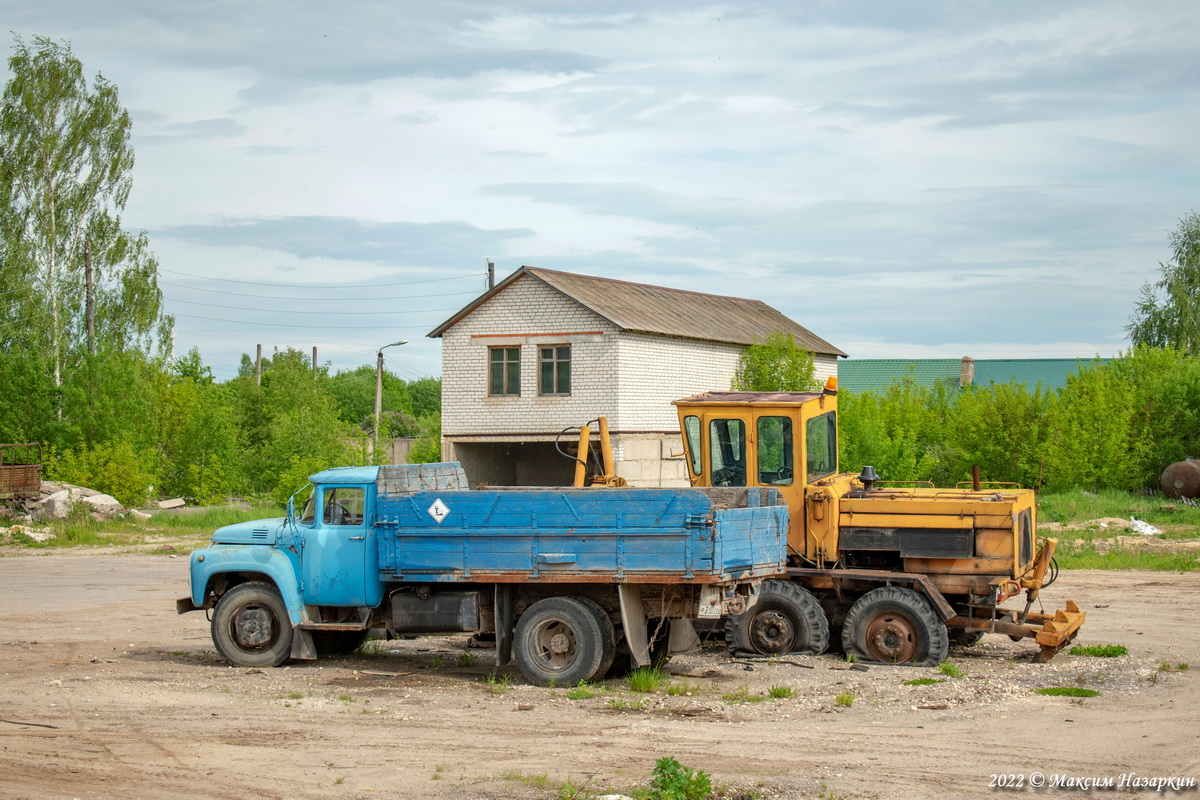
{"x": 894, "y": 625}
{"x": 786, "y": 618}
{"x": 251, "y": 627}
{"x": 337, "y": 643}
{"x": 608, "y": 634}
{"x": 559, "y": 641}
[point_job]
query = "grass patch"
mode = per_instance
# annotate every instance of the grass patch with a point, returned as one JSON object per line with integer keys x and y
{"x": 79, "y": 529}
{"x": 498, "y": 684}
{"x": 1066, "y": 691}
{"x": 742, "y": 694}
{"x": 1078, "y": 506}
{"x": 924, "y": 681}
{"x": 621, "y": 704}
{"x": 646, "y": 679}
{"x": 528, "y": 780}
{"x": 1085, "y": 556}
{"x": 844, "y": 699}
{"x": 951, "y": 670}
{"x": 1099, "y": 650}
{"x": 781, "y": 692}
{"x": 582, "y": 692}
{"x": 681, "y": 689}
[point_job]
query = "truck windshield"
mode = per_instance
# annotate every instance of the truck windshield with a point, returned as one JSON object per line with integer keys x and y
{"x": 310, "y": 509}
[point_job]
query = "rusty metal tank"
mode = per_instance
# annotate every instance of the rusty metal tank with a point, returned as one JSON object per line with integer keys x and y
{"x": 1182, "y": 479}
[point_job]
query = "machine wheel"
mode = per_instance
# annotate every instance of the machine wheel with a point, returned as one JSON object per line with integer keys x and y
{"x": 559, "y": 640}
{"x": 608, "y": 634}
{"x": 785, "y": 619}
{"x": 893, "y": 625}
{"x": 251, "y": 627}
{"x": 337, "y": 643}
{"x": 964, "y": 638}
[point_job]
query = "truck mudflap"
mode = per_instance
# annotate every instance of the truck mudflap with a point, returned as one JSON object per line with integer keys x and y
{"x": 1052, "y": 632}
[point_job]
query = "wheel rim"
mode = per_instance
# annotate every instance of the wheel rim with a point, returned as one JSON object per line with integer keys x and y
{"x": 253, "y": 628}
{"x": 555, "y": 647}
{"x": 772, "y": 631}
{"x": 891, "y": 638}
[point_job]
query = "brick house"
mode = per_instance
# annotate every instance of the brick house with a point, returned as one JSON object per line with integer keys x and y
{"x": 545, "y": 350}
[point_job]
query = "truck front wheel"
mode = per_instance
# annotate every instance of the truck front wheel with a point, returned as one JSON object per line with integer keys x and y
{"x": 559, "y": 641}
{"x": 786, "y": 618}
{"x": 894, "y": 625}
{"x": 251, "y": 627}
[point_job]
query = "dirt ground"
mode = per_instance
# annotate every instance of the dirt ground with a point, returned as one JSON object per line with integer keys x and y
{"x": 106, "y": 693}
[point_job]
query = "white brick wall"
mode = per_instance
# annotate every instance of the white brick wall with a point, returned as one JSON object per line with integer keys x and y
{"x": 629, "y": 377}
{"x": 521, "y": 316}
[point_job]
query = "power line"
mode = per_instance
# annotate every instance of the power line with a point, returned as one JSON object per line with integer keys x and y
{"x": 319, "y": 285}
{"x": 285, "y": 325}
{"x": 287, "y": 311}
{"x": 276, "y": 297}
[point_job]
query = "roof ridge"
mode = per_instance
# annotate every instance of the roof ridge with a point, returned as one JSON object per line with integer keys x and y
{"x": 536, "y": 270}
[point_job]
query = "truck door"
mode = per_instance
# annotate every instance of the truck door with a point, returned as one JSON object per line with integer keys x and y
{"x": 338, "y": 550}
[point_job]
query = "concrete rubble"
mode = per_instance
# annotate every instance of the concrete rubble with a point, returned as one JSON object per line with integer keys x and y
{"x": 57, "y": 500}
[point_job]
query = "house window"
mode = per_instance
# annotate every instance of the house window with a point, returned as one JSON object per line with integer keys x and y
{"x": 504, "y": 370}
{"x": 554, "y": 364}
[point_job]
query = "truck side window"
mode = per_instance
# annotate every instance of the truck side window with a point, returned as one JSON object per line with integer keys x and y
{"x": 727, "y": 443}
{"x": 343, "y": 506}
{"x": 691, "y": 429}
{"x": 775, "y": 451}
{"x": 821, "y": 435}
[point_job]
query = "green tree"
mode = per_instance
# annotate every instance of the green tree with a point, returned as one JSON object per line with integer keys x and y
{"x": 1167, "y": 314}
{"x": 775, "y": 365}
{"x": 65, "y": 176}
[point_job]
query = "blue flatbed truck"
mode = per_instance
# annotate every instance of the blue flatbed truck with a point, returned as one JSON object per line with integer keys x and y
{"x": 567, "y": 579}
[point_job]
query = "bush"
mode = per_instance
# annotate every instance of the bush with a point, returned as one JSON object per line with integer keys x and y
{"x": 673, "y": 781}
{"x": 111, "y": 467}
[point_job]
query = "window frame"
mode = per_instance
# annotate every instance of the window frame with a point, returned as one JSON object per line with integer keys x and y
{"x": 556, "y": 363}
{"x": 509, "y": 368}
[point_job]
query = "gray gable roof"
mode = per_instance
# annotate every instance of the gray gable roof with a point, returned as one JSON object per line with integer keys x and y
{"x": 658, "y": 310}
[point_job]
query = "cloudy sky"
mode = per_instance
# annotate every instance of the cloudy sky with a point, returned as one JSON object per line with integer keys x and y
{"x": 916, "y": 179}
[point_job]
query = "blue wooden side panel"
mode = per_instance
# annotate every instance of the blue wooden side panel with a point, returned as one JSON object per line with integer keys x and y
{"x": 605, "y": 534}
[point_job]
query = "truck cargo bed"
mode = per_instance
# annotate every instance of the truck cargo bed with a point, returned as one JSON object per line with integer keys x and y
{"x": 577, "y": 535}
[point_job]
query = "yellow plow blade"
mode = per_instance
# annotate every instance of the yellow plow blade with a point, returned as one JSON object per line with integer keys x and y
{"x": 1058, "y": 629}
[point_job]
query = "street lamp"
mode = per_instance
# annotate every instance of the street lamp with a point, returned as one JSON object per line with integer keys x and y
{"x": 379, "y": 385}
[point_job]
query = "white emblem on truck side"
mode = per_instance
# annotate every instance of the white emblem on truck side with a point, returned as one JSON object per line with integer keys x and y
{"x": 439, "y": 511}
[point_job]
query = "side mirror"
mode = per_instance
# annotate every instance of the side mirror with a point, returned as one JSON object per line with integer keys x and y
{"x": 291, "y": 510}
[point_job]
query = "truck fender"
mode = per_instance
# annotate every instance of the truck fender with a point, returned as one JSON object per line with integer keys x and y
{"x": 210, "y": 562}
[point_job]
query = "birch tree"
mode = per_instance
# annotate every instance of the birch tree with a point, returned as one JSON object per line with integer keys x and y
{"x": 66, "y": 162}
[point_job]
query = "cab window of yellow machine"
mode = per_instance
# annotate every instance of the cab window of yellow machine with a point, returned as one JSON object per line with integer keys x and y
{"x": 691, "y": 429}
{"x": 821, "y": 435}
{"x": 727, "y": 456}
{"x": 775, "y": 451}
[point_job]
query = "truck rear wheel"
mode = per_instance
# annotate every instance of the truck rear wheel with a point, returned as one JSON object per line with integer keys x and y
{"x": 894, "y": 625}
{"x": 559, "y": 640}
{"x": 608, "y": 634}
{"x": 251, "y": 627}
{"x": 785, "y": 619}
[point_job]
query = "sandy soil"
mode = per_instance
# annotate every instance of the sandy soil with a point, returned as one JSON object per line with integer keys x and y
{"x": 106, "y": 693}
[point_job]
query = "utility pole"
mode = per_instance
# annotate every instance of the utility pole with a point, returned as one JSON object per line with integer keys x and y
{"x": 258, "y": 367}
{"x": 314, "y": 363}
{"x": 379, "y": 386}
{"x": 491, "y": 275}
